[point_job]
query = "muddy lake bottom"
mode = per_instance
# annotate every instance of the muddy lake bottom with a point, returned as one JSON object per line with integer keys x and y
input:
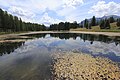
{"x": 30, "y": 58}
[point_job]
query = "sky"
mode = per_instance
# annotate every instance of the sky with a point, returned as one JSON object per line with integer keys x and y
{"x": 54, "y": 11}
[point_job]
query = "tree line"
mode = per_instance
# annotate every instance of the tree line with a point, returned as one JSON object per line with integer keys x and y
{"x": 103, "y": 24}
{"x": 118, "y": 23}
{"x": 10, "y": 23}
{"x": 64, "y": 26}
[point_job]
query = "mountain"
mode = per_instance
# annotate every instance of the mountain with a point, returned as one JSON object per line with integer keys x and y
{"x": 104, "y": 17}
{"x": 114, "y": 16}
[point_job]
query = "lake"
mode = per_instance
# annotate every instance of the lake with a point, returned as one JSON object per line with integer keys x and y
{"x": 31, "y": 59}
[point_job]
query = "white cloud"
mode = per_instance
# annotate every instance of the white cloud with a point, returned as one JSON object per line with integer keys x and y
{"x": 70, "y": 14}
{"x": 46, "y": 4}
{"x": 102, "y": 8}
{"x": 32, "y": 10}
{"x": 6, "y": 3}
{"x": 47, "y": 20}
{"x": 20, "y": 12}
{"x": 70, "y": 10}
{"x": 72, "y": 3}
{"x": 25, "y": 14}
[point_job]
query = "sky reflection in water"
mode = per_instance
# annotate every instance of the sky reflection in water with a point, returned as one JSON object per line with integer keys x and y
{"x": 31, "y": 59}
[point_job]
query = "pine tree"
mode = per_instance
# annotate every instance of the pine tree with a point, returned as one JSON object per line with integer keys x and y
{"x": 107, "y": 24}
{"x": 11, "y": 24}
{"x": 21, "y": 25}
{"x": 102, "y": 24}
{"x": 86, "y": 23}
{"x": 75, "y": 25}
{"x": 1, "y": 14}
{"x": 111, "y": 19}
{"x": 6, "y": 21}
{"x": 118, "y": 23}
{"x": 66, "y": 25}
{"x": 17, "y": 24}
{"x": 61, "y": 26}
{"x": 93, "y": 21}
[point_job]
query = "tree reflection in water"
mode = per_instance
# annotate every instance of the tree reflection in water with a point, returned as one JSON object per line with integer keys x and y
{"x": 88, "y": 37}
{"x": 8, "y": 47}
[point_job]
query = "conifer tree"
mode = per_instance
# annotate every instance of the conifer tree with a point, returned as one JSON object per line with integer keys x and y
{"x": 1, "y": 15}
{"x": 118, "y": 23}
{"x": 21, "y": 25}
{"x": 93, "y": 21}
{"x": 102, "y": 24}
{"x": 107, "y": 24}
{"x": 86, "y": 23}
{"x": 111, "y": 19}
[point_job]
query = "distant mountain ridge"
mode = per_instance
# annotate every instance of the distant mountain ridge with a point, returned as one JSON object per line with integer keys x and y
{"x": 114, "y": 16}
{"x": 104, "y": 17}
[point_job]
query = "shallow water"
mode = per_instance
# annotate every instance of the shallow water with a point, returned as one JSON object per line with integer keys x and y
{"x": 30, "y": 60}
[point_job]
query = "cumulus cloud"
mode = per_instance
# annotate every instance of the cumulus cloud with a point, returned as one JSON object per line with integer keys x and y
{"x": 102, "y": 8}
{"x": 35, "y": 10}
{"x": 47, "y": 20}
{"x": 72, "y": 3}
{"x": 71, "y": 14}
{"x": 42, "y": 5}
{"x": 25, "y": 14}
{"x": 20, "y": 12}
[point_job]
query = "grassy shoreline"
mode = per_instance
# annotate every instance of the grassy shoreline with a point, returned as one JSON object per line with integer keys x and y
{"x": 3, "y": 33}
{"x": 17, "y": 34}
{"x": 90, "y": 30}
{"x": 113, "y": 28}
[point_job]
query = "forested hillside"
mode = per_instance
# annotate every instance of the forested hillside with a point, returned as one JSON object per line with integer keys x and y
{"x": 10, "y": 23}
{"x": 89, "y": 24}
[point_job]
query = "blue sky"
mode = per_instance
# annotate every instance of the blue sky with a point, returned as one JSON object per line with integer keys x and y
{"x": 54, "y": 11}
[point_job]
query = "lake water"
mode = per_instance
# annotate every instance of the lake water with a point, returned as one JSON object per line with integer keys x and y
{"x": 31, "y": 60}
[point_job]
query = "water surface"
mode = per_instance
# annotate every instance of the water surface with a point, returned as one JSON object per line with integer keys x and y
{"x": 30, "y": 60}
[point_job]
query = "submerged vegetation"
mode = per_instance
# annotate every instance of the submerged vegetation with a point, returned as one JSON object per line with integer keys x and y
{"x": 46, "y": 40}
{"x": 31, "y": 59}
{"x": 79, "y": 66}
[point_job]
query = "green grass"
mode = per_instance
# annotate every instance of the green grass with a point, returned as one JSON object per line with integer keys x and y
{"x": 114, "y": 28}
{"x": 4, "y": 33}
{"x": 1, "y": 33}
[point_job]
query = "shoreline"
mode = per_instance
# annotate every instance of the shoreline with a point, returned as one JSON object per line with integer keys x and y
{"x": 84, "y": 32}
{"x": 98, "y": 33}
{"x": 17, "y": 35}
